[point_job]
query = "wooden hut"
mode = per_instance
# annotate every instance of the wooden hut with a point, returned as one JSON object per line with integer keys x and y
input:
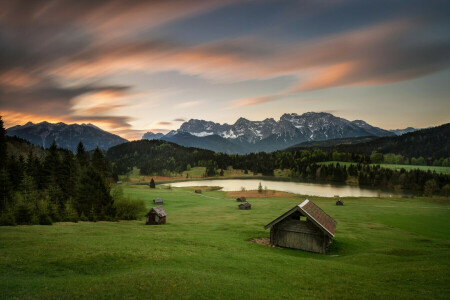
{"x": 305, "y": 227}
{"x": 158, "y": 201}
{"x": 156, "y": 216}
{"x": 339, "y": 202}
{"x": 198, "y": 191}
{"x": 241, "y": 199}
{"x": 245, "y": 205}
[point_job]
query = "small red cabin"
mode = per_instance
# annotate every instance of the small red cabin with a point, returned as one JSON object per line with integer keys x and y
{"x": 156, "y": 216}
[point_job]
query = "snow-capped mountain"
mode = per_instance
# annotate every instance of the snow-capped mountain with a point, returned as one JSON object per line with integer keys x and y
{"x": 66, "y": 136}
{"x": 269, "y": 135}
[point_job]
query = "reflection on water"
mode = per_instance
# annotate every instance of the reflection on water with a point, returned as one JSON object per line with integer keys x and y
{"x": 303, "y": 188}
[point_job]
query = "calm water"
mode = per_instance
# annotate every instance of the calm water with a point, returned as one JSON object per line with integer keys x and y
{"x": 303, "y": 188}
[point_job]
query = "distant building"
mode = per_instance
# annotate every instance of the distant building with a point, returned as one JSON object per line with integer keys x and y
{"x": 198, "y": 191}
{"x": 156, "y": 216}
{"x": 305, "y": 227}
{"x": 245, "y": 205}
{"x": 241, "y": 199}
{"x": 158, "y": 201}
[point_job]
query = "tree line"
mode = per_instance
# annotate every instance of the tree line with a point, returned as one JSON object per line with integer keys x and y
{"x": 161, "y": 158}
{"x": 59, "y": 186}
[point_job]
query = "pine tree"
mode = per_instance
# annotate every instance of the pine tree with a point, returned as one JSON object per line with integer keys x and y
{"x": 82, "y": 156}
{"x": 99, "y": 162}
{"x": 152, "y": 184}
{"x": 3, "y": 155}
{"x": 260, "y": 188}
{"x": 93, "y": 194}
{"x": 5, "y": 190}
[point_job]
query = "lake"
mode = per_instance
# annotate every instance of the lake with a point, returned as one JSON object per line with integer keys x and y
{"x": 303, "y": 188}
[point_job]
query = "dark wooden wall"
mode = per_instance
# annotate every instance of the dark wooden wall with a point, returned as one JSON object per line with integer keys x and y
{"x": 299, "y": 234}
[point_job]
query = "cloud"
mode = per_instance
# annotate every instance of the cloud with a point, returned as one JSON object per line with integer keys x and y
{"x": 179, "y": 120}
{"x": 163, "y": 123}
{"x": 254, "y": 101}
{"x": 188, "y": 104}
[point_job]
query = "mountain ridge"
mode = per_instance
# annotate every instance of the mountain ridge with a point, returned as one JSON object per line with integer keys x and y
{"x": 245, "y": 136}
{"x": 66, "y": 136}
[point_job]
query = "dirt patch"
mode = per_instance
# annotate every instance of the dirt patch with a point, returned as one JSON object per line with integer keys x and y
{"x": 264, "y": 242}
{"x": 256, "y": 194}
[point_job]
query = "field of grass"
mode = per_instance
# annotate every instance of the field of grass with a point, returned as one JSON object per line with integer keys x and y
{"x": 384, "y": 248}
{"x": 442, "y": 170}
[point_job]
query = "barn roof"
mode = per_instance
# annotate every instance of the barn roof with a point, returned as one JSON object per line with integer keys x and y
{"x": 326, "y": 223}
{"x": 159, "y": 210}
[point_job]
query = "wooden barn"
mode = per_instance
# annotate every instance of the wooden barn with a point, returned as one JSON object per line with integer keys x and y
{"x": 305, "y": 227}
{"x": 158, "y": 201}
{"x": 198, "y": 191}
{"x": 241, "y": 199}
{"x": 245, "y": 205}
{"x": 339, "y": 202}
{"x": 156, "y": 216}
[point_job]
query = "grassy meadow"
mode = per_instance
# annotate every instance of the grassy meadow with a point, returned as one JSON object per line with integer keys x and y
{"x": 384, "y": 248}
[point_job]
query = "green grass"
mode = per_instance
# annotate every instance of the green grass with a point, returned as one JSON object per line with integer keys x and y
{"x": 384, "y": 249}
{"x": 442, "y": 170}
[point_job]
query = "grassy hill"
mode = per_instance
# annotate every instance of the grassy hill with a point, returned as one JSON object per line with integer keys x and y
{"x": 384, "y": 248}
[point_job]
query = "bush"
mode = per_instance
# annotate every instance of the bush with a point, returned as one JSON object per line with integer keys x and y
{"x": 70, "y": 213}
{"x": 128, "y": 209}
{"x": 23, "y": 212}
{"x": 7, "y": 218}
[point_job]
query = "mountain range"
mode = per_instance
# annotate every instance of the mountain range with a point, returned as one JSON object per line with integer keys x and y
{"x": 65, "y": 135}
{"x": 246, "y": 136}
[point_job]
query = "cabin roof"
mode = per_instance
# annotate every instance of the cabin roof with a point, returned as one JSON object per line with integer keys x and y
{"x": 307, "y": 208}
{"x": 159, "y": 210}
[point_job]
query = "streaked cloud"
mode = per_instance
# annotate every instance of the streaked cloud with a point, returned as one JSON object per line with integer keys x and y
{"x": 83, "y": 61}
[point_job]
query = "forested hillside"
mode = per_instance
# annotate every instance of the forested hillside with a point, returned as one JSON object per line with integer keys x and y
{"x": 40, "y": 186}
{"x": 433, "y": 142}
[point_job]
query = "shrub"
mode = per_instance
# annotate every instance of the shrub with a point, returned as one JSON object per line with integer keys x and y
{"x": 70, "y": 213}
{"x": 7, "y": 218}
{"x": 128, "y": 209}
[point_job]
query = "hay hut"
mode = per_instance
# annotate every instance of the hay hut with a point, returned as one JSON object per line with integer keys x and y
{"x": 156, "y": 216}
{"x": 305, "y": 227}
{"x": 241, "y": 199}
{"x": 158, "y": 201}
{"x": 198, "y": 191}
{"x": 339, "y": 202}
{"x": 245, "y": 205}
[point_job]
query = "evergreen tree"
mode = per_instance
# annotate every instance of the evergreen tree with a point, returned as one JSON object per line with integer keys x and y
{"x": 93, "y": 195}
{"x": 82, "y": 156}
{"x": 5, "y": 190}
{"x": 3, "y": 155}
{"x": 152, "y": 184}
{"x": 99, "y": 162}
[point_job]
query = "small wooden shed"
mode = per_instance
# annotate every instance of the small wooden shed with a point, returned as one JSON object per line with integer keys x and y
{"x": 158, "y": 201}
{"x": 156, "y": 216}
{"x": 198, "y": 191}
{"x": 305, "y": 227}
{"x": 241, "y": 199}
{"x": 245, "y": 205}
{"x": 339, "y": 202}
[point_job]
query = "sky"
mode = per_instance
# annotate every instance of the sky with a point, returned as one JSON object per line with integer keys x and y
{"x": 132, "y": 66}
